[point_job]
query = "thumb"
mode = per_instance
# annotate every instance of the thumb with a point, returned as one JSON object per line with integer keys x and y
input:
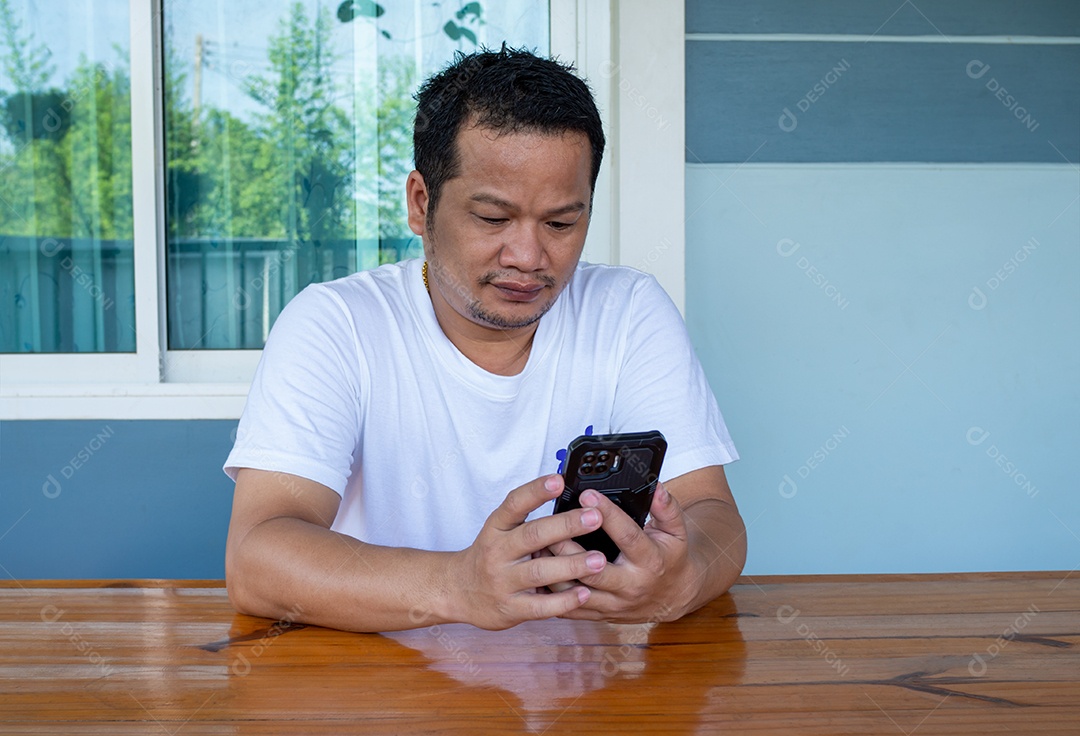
{"x": 667, "y": 514}
{"x": 521, "y": 501}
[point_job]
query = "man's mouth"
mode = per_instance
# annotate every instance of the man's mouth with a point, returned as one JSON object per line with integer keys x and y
{"x": 517, "y": 291}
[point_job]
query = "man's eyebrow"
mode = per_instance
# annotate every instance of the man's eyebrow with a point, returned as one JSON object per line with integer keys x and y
{"x": 567, "y": 209}
{"x": 499, "y": 202}
{"x": 492, "y": 199}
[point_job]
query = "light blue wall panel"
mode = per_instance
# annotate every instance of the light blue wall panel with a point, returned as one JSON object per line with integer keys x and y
{"x": 896, "y": 350}
{"x": 114, "y": 499}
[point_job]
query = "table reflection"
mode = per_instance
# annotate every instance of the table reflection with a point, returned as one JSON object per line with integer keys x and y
{"x": 539, "y": 677}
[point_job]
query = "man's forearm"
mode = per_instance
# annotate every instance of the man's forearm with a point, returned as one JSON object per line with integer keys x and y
{"x": 717, "y": 541}
{"x": 288, "y": 569}
{"x": 283, "y": 561}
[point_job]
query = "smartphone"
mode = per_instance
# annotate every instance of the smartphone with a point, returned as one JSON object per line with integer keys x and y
{"x": 623, "y": 467}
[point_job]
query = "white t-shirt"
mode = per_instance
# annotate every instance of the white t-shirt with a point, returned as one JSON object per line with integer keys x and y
{"x": 360, "y": 390}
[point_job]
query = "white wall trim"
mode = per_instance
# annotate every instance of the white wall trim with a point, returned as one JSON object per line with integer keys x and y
{"x": 124, "y": 401}
{"x": 147, "y": 186}
{"x": 581, "y": 33}
{"x": 648, "y": 80}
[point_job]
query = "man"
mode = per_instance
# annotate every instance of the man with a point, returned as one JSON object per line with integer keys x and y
{"x": 394, "y": 409}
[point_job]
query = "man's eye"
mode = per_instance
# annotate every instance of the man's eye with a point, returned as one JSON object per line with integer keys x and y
{"x": 560, "y": 225}
{"x": 493, "y": 220}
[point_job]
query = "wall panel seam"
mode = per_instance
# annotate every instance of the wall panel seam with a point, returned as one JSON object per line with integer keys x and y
{"x": 862, "y": 38}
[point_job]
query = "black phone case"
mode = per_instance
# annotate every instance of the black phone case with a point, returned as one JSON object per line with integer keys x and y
{"x": 624, "y": 467}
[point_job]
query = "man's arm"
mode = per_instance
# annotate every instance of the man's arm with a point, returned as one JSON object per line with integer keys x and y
{"x": 283, "y": 561}
{"x": 691, "y": 551}
{"x": 716, "y": 532}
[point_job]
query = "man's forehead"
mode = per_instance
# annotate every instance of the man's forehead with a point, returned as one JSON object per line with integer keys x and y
{"x": 508, "y": 167}
{"x": 482, "y": 135}
{"x": 482, "y": 148}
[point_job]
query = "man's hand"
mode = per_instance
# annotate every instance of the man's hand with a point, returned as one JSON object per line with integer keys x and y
{"x": 497, "y": 577}
{"x": 681, "y": 559}
{"x": 284, "y": 561}
{"x": 646, "y": 580}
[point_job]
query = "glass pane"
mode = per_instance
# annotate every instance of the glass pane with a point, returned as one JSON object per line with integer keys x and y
{"x": 67, "y": 283}
{"x": 288, "y": 139}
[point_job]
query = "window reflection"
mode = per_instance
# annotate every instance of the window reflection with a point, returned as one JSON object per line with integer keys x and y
{"x": 66, "y": 272}
{"x": 288, "y": 140}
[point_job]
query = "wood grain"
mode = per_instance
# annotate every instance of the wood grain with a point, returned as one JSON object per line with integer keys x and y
{"x": 964, "y": 654}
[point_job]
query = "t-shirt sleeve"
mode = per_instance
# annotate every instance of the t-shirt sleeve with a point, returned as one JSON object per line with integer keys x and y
{"x": 662, "y": 386}
{"x": 302, "y": 412}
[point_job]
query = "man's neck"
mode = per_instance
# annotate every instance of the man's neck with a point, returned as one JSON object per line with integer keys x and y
{"x": 502, "y": 352}
{"x": 498, "y": 350}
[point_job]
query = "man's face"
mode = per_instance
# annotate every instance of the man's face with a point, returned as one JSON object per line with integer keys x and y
{"x": 508, "y": 231}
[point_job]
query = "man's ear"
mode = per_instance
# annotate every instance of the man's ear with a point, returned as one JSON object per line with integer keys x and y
{"x": 416, "y": 197}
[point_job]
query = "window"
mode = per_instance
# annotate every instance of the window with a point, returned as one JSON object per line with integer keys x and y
{"x": 205, "y": 216}
{"x": 66, "y": 268}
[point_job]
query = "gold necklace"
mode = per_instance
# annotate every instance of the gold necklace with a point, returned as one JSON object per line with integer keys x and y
{"x": 423, "y": 272}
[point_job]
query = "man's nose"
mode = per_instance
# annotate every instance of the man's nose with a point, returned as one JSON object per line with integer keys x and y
{"x": 523, "y": 249}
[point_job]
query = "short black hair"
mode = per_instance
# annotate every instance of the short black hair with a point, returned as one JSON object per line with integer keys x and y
{"x": 508, "y": 91}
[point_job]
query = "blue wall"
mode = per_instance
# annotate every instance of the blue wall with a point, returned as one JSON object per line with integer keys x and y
{"x": 885, "y": 291}
{"x": 117, "y": 499}
{"x": 895, "y": 346}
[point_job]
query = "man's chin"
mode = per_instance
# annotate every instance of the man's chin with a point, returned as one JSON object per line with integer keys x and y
{"x": 504, "y": 319}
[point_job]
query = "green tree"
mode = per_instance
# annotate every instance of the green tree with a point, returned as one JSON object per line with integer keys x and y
{"x": 309, "y": 154}
{"x": 67, "y": 165}
{"x": 65, "y": 175}
{"x": 26, "y": 64}
{"x": 395, "y": 113}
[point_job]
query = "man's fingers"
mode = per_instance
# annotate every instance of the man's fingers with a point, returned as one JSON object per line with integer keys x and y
{"x": 546, "y": 572}
{"x": 623, "y": 530}
{"x": 566, "y": 547}
{"x": 523, "y": 500}
{"x": 553, "y": 604}
{"x": 599, "y": 607}
{"x": 548, "y": 531}
{"x": 606, "y": 606}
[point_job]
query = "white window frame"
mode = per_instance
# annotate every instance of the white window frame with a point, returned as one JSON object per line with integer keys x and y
{"x": 634, "y": 57}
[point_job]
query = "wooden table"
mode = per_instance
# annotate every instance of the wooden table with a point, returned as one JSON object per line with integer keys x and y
{"x": 932, "y": 654}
